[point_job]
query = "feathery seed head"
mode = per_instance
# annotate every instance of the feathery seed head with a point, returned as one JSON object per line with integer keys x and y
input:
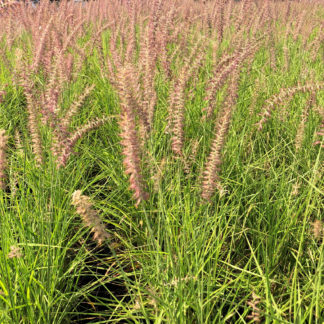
{"x": 318, "y": 229}
{"x": 3, "y": 160}
{"x": 89, "y": 216}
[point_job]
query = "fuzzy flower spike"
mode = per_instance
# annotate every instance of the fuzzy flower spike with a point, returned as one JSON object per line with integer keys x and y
{"x": 89, "y": 216}
{"x": 3, "y": 160}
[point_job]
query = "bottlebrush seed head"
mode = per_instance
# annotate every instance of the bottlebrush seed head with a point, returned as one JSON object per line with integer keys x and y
{"x": 3, "y": 161}
{"x": 89, "y": 216}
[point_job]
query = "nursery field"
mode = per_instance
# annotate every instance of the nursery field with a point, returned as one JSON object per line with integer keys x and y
{"x": 162, "y": 161}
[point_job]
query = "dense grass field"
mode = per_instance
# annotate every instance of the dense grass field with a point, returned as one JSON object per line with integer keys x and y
{"x": 162, "y": 162}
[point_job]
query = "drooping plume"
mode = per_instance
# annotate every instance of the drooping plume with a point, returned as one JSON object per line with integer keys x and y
{"x": 89, "y": 216}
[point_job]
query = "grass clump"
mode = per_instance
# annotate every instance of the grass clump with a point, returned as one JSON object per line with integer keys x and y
{"x": 161, "y": 162}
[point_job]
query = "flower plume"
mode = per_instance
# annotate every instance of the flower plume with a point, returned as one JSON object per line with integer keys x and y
{"x": 89, "y": 216}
